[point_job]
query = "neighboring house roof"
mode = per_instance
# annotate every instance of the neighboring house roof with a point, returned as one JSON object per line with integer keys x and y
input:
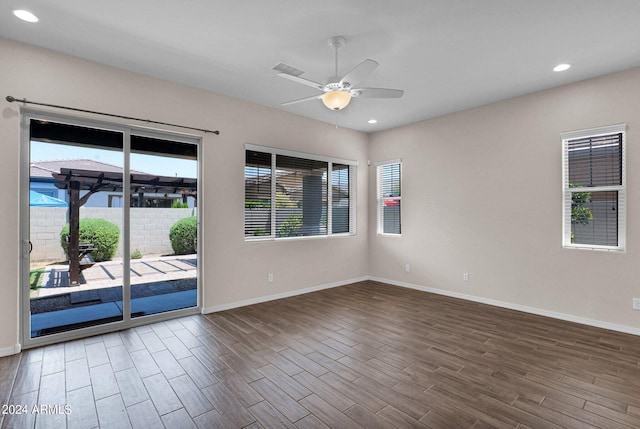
{"x": 45, "y": 169}
{"x": 40, "y": 172}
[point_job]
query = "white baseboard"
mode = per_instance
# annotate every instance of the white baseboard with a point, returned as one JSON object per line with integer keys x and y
{"x": 273, "y": 297}
{"x": 540, "y": 312}
{"x": 8, "y": 351}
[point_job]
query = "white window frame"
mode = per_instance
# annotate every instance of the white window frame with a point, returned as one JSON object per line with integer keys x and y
{"x": 621, "y": 189}
{"x": 380, "y": 199}
{"x": 330, "y": 160}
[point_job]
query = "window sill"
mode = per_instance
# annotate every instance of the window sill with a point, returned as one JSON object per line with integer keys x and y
{"x": 306, "y": 237}
{"x": 595, "y": 248}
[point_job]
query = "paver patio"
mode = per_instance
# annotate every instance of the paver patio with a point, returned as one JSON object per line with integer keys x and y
{"x": 108, "y": 274}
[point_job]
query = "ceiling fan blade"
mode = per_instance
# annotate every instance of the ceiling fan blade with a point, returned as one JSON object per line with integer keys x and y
{"x": 302, "y": 100}
{"x": 303, "y": 81}
{"x": 358, "y": 73}
{"x": 377, "y": 93}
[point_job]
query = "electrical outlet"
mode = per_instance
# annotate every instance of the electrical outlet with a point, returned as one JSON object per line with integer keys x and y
{"x": 270, "y": 277}
{"x": 407, "y": 268}
{"x": 636, "y": 303}
{"x": 465, "y": 277}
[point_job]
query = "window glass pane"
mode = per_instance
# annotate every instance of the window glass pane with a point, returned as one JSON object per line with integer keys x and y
{"x": 257, "y": 194}
{"x": 595, "y": 161}
{"x": 390, "y": 175}
{"x": 74, "y": 225}
{"x": 340, "y": 206}
{"x": 164, "y": 225}
{"x": 594, "y": 218}
{"x": 389, "y": 196}
{"x": 391, "y": 216}
{"x": 301, "y": 198}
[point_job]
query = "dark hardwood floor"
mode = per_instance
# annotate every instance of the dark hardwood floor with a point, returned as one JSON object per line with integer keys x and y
{"x": 365, "y": 355}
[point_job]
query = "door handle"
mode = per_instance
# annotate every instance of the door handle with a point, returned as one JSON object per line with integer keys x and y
{"x": 26, "y": 253}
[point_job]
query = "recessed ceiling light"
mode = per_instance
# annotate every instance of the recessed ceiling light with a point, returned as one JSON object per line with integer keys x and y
{"x": 562, "y": 67}
{"x": 372, "y": 121}
{"x": 25, "y": 15}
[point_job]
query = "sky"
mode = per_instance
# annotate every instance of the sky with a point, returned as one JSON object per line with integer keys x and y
{"x": 161, "y": 166}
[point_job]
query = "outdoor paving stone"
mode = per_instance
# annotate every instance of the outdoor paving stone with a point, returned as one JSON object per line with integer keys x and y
{"x": 162, "y": 287}
{"x": 93, "y": 277}
{"x": 185, "y": 264}
{"x": 55, "y": 278}
{"x": 84, "y": 296}
{"x": 114, "y": 271}
{"x": 109, "y": 274}
{"x": 191, "y": 261}
{"x": 142, "y": 268}
{"x": 110, "y": 294}
{"x": 165, "y": 267}
{"x": 138, "y": 291}
{"x": 95, "y": 273}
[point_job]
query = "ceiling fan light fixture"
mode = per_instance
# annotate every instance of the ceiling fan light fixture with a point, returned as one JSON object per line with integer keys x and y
{"x": 336, "y": 100}
{"x": 338, "y": 90}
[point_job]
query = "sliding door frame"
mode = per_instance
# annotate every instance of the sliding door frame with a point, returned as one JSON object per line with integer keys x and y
{"x": 127, "y": 321}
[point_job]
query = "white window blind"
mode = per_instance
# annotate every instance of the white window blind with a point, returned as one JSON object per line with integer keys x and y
{"x": 301, "y": 197}
{"x": 341, "y": 207}
{"x": 289, "y": 194}
{"x": 594, "y": 188}
{"x": 389, "y": 197}
{"x": 257, "y": 194}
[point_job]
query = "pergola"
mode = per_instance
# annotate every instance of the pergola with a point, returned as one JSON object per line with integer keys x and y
{"x": 76, "y": 180}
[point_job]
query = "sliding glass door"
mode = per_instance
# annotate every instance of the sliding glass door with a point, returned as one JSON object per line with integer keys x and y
{"x": 164, "y": 225}
{"x": 109, "y": 227}
{"x": 73, "y": 280}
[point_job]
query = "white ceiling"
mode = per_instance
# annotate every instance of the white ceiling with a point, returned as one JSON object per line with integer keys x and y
{"x": 447, "y": 55}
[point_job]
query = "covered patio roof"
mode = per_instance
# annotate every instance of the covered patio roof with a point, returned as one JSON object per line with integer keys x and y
{"x": 95, "y": 181}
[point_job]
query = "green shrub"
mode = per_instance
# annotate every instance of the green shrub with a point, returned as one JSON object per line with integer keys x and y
{"x": 103, "y": 234}
{"x": 290, "y": 226}
{"x": 580, "y": 215}
{"x": 260, "y": 232}
{"x": 251, "y": 205}
{"x": 184, "y": 236}
{"x": 35, "y": 279}
{"x": 179, "y": 205}
{"x": 284, "y": 201}
{"x": 136, "y": 254}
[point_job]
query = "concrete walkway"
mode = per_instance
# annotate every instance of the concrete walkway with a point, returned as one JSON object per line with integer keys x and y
{"x": 108, "y": 274}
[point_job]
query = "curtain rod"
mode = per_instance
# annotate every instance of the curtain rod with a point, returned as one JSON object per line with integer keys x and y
{"x": 11, "y": 99}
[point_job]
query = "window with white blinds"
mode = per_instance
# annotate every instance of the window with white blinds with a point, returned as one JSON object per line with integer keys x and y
{"x": 289, "y": 194}
{"x": 594, "y": 188}
{"x": 389, "y": 197}
{"x": 341, "y": 205}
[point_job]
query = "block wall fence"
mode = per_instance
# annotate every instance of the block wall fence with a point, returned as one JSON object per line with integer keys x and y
{"x": 149, "y": 229}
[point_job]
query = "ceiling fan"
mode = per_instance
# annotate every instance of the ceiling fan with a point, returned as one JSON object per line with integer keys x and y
{"x": 338, "y": 91}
